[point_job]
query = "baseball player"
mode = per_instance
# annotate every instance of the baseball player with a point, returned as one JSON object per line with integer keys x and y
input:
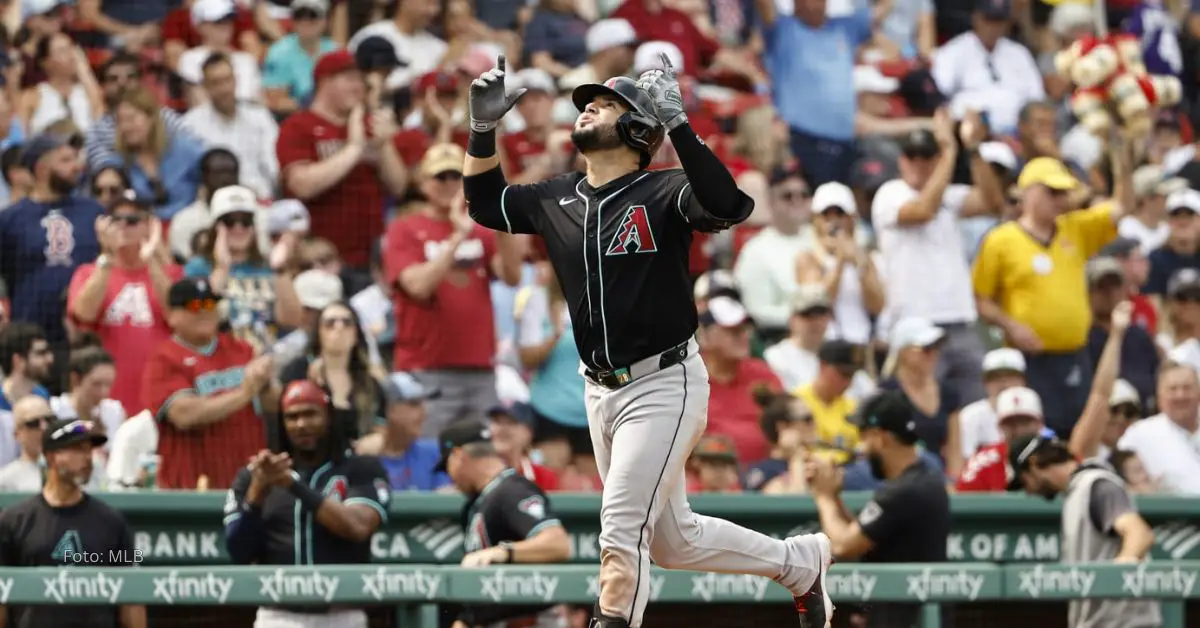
{"x": 618, "y": 239}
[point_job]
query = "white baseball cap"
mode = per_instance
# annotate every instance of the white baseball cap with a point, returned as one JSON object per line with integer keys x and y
{"x": 1004, "y": 359}
{"x": 1123, "y": 392}
{"x": 610, "y": 33}
{"x": 230, "y": 199}
{"x": 869, "y": 80}
{"x": 207, "y": 11}
{"x": 1019, "y": 401}
{"x": 317, "y": 288}
{"x": 1184, "y": 199}
{"x": 910, "y": 331}
{"x": 998, "y": 153}
{"x": 724, "y": 311}
{"x": 535, "y": 79}
{"x": 649, "y": 56}
{"x": 287, "y": 214}
{"x": 321, "y": 7}
{"x": 834, "y": 194}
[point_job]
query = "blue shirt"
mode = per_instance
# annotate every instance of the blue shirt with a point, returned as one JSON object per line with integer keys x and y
{"x": 289, "y": 66}
{"x": 179, "y": 173}
{"x": 38, "y": 391}
{"x": 248, "y": 299}
{"x": 1164, "y": 263}
{"x": 414, "y": 470}
{"x": 1159, "y": 37}
{"x": 562, "y": 35}
{"x": 813, "y": 69}
{"x": 763, "y": 471}
{"x": 41, "y": 245}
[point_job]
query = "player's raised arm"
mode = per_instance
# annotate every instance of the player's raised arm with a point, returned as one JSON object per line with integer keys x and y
{"x": 484, "y": 185}
{"x": 724, "y": 204}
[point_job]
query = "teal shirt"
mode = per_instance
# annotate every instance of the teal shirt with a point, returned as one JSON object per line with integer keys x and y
{"x": 249, "y": 300}
{"x": 288, "y": 66}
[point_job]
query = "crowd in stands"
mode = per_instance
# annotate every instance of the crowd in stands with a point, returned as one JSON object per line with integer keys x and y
{"x": 205, "y": 199}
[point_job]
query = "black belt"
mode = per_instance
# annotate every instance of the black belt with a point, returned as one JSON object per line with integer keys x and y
{"x": 613, "y": 379}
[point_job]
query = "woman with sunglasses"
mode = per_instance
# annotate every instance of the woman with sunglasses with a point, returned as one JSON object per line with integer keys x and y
{"x": 91, "y": 374}
{"x": 258, "y": 295}
{"x": 122, "y": 296}
{"x": 338, "y": 359}
{"x": 108, "y": 184}
{"x": 839, "y": 262}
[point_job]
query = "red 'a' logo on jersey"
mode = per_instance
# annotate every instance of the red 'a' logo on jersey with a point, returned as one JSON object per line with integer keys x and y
{"x": 633, "y": 234}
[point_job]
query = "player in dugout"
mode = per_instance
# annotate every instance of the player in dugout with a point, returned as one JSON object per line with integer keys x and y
{"x": 507, "y": 519}
{"x": 343, "y": 499}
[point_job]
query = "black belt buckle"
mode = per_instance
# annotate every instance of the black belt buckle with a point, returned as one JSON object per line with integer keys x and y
{"x": 616, "y": 378}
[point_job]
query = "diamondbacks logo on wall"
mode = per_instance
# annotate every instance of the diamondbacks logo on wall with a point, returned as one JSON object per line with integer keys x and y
{"x": 69, "y": 545}
{"x": 634, "y": 234}
{"x": 534, "y": 506}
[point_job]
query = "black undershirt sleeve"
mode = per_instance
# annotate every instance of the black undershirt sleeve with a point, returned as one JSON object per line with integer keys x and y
{"x": 723, "y": 203}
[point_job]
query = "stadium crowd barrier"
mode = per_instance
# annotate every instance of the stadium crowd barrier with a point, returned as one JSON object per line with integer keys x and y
{"x": 415, "y": 590}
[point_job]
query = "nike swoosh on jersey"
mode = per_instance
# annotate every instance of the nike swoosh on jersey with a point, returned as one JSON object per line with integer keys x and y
{"x": 566, "y": 201}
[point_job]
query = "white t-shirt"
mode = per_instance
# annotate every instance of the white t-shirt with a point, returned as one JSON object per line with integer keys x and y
{"x": 1148, "y": 239}
{"x": 245, "y": 71}
{"x": 796, "y": 367}
{"x": 1186, "y": 352}
{"x": 977, "y": 426}
{"x": 766, "y": 273}
{"x": 110, "y": 412}
{"x": 923, "y": 266}
{"x": 136, "y": 438}
{"x": 1170, "y": 453}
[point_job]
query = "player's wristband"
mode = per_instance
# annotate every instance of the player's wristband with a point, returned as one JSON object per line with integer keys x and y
{"x": 307, "y": 497}
{"x": 482, "y": 144}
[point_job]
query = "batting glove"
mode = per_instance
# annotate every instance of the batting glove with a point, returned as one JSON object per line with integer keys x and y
{"x": 663, "y": 88}
{"x": 488, "y": 102}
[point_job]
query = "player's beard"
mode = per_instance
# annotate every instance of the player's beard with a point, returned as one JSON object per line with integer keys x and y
{"x": 61, "y": 185}
{"x": 875, "y": 461}
{"x": 596, "y": 138}
{"x": 79, "y": 478}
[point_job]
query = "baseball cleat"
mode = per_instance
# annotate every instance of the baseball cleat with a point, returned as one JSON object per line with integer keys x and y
{"x": 814, "y": 607}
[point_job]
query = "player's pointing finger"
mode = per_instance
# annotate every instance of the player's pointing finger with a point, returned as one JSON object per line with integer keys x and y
{"x": 501, "y": 62}
{"x": 666, "y": 61}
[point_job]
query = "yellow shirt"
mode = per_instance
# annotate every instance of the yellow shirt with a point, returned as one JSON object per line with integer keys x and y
{"x": 832, "y": 422}
{"x": 1045, "y": 287}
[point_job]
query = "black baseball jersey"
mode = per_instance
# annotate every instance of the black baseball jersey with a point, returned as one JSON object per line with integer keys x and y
{"x": 621, "y": 255}
{"x": 89, "y": 534}
{"x": 353, "y": 480}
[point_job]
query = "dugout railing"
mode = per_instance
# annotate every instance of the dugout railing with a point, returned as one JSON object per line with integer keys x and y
{"x": 409, "y": 596}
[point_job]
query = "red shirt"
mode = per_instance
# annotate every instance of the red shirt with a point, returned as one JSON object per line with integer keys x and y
{"x": 178, "y": 26}
{"x": 349, "y": 214}
{"x": 1144, "y": 314}
{"x": 987, "y": 470}
{"x": 411, "y": 145}
{"x": 518, "y": 149}
{"x": 454, "y": 328}
{"x": 217, "y": 450}
{"x": 546, "y": 479}
{"x": 673, "y": 26}
{"x": 131, "y": 323}
{"x": 733, "y": 412}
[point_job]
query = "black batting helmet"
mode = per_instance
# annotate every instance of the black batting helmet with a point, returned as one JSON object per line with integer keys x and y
{"x": 639, "y": 128}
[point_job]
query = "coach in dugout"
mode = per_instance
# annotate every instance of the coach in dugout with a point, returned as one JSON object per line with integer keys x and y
{"x": 309, "y": 501}
{"x": 507, "y": 518}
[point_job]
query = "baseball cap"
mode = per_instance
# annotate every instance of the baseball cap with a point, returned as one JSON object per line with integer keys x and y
{"x": 870, "y": 173}
{"x": 834, "y": 194}
{"x": 649, "y": 56}
{"x": 998, "y": 154}
{"x": 1185, "y": 281}
{"x": 320, "y": 7}
{"x": 64, "y": 433}
{"x": 869, "y": 80}
{"x": 130, "y": 198}
{"x": 376, "y": 53}
{"x": 442, "y": 158}
{"x": 401, "y": 387}
{"x": 302, "y": 392}
{"x": 841, "y": 354}
{"x": 1046, "y": 171}
{"x": 809, "y": 298}
{"x": 715, "y": 283}
{"x": 39, "y": 146}
{"x": 333, "y": 63}
{"x": 1101, "y": 267}
{"x": 994, "y": 9}
{"x": 715, "y": 447}
{"x": 1122, "y": 393}
{"x": 1003, "y": 360}
{"x": 535, "y": 80}
{"x": 1149, "y": 180}
{"x": 518, "y": 411}
{"x": 317, "y": 288}
{"x": 230, "y": 199}
{"x": 609, "y": 33}
{"x": 919, "y": 143}
{"x": 288, "y": 214}
{"x": 1120, "y": 248}
{"x": 1021, "y": 450}
{"x": 726, "y": 312}
{"x": 1188, "y": 199}
{"x": 888, "y": 411}
{"x": 443, "y": 82}
{"x": 208, "y": 11}
{"x": 457, "y": 434}
{"x": 1018, "y": 401}
{"x": 914, "y": 331}
{"x": 189, "y": 290}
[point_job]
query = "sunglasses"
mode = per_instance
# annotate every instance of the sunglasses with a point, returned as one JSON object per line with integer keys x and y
{"x": 324, "y": 260}
{"x": 1187, "y": 297}
{"x": 337, "y": 321}
{"x": 39, "y": 422}
{"x": 1127, "y": 411}
{"x": 200, "y": 305}
{"x": 1181, "y": 211}
{"x": 794, "y": 195}
{"x": 815, "y": 312}
{"x": 446, "y": 177}
{"x": 305, "y": 14}
{"x": 239, "y": 219}
{"x": 128, "y": 219}
{"x": 114, "y": 190}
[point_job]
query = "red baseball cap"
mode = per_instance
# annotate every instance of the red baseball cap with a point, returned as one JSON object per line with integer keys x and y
{"x": 333, "y": 63}
{"x": 443, "y": 82}
{"x": 303, "y": 392}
